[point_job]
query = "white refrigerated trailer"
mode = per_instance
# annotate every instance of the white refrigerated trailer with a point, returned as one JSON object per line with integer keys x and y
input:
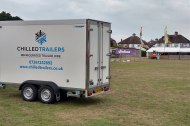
{"x": 50, "y": 59}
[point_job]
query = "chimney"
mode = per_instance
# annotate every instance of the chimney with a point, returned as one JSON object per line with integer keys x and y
{"x": 121, "y": 40}
{"x": 176, "y": 33}
{"x": 156, "y": 39}
{"x": 134, "y": 34}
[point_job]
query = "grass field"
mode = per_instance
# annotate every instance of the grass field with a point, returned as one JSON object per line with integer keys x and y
{"x": 145, "y": 93}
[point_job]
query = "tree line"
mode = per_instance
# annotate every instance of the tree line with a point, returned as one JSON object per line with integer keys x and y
{"x": 4, "y": 16}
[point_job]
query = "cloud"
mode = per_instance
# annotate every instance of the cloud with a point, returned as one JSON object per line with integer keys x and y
{"x": 126, "y": 16}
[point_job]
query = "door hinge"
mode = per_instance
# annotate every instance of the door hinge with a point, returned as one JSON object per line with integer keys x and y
{"x": 1, "y": 27}
{"x": 109, "y": 31}
{"x": 109, "y": 54}
{"x": 108, "y": 77}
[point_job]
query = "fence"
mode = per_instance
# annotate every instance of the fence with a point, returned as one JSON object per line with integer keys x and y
{"x": 175, "y": 57}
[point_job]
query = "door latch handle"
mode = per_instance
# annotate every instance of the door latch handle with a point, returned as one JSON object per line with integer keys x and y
{"x": 90, "y": 29}
{"x": 103, "y": 67}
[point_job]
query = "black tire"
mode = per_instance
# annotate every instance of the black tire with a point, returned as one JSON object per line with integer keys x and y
{"x": 29, "y": 92}
{"x": 46, "y": 95}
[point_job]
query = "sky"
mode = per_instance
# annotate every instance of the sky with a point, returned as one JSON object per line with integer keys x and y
{"x": 126, "y": 16}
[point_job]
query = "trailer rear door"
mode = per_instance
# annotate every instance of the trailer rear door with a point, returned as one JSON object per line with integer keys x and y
{"x": 99, "y": 43}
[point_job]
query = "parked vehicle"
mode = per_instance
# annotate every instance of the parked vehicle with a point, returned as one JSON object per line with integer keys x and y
{"x": 50, "y": 59}
{"x": 153, "y": 56}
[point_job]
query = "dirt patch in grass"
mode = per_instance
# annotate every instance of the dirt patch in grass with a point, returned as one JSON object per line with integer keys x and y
{"x": 79, "y": 115}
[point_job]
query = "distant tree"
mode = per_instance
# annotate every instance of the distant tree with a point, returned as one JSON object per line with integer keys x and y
{"x": 113, "y": 43}
{"x": 7, "y": 17}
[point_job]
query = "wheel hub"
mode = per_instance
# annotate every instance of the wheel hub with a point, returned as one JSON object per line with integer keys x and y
{"x": 45, "y": 95}
{"x": 28, "y": 93}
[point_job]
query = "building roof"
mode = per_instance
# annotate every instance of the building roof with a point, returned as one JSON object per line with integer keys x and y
{"x": 152, "y": 43}
{"x": 132, "y": 40}
{"x": 176, "y": 38}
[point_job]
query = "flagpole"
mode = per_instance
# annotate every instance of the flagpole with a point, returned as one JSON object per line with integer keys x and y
{"x": 141, "y": 43}
{"x": 165, "y": 38}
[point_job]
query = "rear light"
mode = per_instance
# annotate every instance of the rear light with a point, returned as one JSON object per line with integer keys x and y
{"x": 106, "y": 88}
{"x": 89, "y": 93}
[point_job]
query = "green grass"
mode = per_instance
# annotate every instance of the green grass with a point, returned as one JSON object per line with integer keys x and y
{"x": 145, "y": 93}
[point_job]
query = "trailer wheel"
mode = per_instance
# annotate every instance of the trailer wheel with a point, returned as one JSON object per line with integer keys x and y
{"x": 46, "y": 95}
{"x": 29, "y": 92}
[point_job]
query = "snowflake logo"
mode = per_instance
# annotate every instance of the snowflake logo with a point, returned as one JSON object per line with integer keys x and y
{"x": 40, "y": 37}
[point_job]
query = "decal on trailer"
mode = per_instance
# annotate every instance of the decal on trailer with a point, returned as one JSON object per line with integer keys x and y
{"x": 34, "y": 54}
{"x": 40, "y": 37}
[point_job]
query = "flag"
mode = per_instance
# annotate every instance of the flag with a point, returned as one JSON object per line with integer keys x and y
{"x": 166, "y": 38}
